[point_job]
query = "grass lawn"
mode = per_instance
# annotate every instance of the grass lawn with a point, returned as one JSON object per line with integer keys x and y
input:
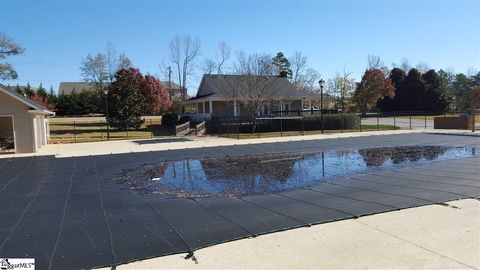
{"x": 310, "y": 132}
{"x": 70, "y": 130}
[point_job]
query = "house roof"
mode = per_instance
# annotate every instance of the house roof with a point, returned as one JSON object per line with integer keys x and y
{"x": 173, "y": 85}
{"x": 213, "y": 86}
{"x": 66, "y": 88}
{"x": 21, "y": 87}
{"x": 33, "y": 105}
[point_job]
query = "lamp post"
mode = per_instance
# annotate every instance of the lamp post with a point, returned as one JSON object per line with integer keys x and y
{"x": 321, "y": 83}
{"x": 105, "y": 91}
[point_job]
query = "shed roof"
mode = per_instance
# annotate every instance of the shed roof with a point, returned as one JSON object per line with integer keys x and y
{"x": 33, "y": 105}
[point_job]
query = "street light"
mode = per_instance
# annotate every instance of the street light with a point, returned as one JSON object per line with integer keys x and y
{"x": 105, "y": 91}
{"x": 321, "y": 83}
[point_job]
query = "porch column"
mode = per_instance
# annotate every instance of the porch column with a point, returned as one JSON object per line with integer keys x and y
{"x": 234, "y": 108}
{"x": 210, "y": 107}
{"x": 309, "y": 103}
{"x": 301, "y": 104}
{"x": 203, "y": 104}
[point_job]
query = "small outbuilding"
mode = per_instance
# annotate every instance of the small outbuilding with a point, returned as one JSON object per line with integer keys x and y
{"x": 22, "y": 121}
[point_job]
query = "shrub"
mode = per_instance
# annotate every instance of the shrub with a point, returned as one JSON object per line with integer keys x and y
{"x": 331, "y": 122}
{"x": 169, "y": 119}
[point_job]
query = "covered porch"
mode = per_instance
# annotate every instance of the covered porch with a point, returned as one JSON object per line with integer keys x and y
{"x": 203, "y": 108}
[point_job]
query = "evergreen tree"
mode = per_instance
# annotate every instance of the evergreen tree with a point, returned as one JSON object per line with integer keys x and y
{"x": 397, "y": 76}
{"x": 41, "y": 92}
{"x": 29, "y": 91}
{"x": 433, "y": 100}
{"x": 19, "y": 90}
{"x": 281, "y": 64}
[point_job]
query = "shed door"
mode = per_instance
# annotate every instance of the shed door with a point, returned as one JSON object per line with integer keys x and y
{"x": 7, "y": 134}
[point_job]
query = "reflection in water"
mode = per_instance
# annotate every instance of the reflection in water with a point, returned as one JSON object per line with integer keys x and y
{"x": 236, "y": 176}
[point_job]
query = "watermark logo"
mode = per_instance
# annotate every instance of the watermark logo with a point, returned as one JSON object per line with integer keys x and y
{"x": 17, "y": 263}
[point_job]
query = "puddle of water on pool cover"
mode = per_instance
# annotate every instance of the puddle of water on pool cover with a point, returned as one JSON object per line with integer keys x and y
{"x": 236, "y": 176}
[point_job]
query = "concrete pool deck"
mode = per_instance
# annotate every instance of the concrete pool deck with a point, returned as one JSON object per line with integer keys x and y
{"x": 162, "y": 144}
{"x": 426, "y": 237}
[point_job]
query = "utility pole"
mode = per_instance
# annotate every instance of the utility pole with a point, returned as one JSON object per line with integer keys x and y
{"x": 170, "y": 82}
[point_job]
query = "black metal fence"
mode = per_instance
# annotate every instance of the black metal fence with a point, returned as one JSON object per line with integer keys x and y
{"x": 71, "y": 130}
{"x": 288, "y": 123}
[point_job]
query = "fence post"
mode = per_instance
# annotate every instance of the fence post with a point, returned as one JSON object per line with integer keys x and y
{"x": 75, "y": 131}
{"x": 302, "y": 126}
{"x": 360, "y": 116}
{"x": 425, "y": 119}
{"x": 108, "y": 130}
{"x": 259, "y": 131}
{"x": 341, "y": 119}
{"x": 239, "y": 127}
{"x": 228, "y": 130}
{"x": 394, "y": 121}
{"x": 151, "y": 128}
{"x": 281, "y": 127}
{"x": 410, "y": 114}
{"x": 378, "y": 122}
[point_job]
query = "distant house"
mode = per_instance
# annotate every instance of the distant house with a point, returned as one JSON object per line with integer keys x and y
{"x": 22, "y": 121}
{"x": 216, "y": 96}
{"x": 173, "y": 89}
{"x": 66, "y": 88}
{"x": 22, "y": 88}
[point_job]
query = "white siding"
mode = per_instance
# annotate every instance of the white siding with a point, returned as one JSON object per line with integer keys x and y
{"x": 23, "y": 122}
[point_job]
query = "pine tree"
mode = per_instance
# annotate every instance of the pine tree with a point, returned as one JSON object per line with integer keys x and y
{"x": 42, "y": 92}
{"x": 281, "y": 64}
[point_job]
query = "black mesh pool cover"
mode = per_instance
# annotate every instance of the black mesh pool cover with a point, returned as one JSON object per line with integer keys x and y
{"x": 71, "y": 213}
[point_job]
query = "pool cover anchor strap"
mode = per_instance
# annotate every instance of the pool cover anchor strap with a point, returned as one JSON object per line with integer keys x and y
{"x": 397, "y": 185}
{"x": 276, "y": 212}
{"x": 189, "y": 249}
{"x": 222, "y": 216}
{"x": 389, "y": 193}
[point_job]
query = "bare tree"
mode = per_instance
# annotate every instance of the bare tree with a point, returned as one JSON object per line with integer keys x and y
{"x": 253, "y": 84}
{"x": 375, "y": 62}
{"x": 341, "y": 87}
{"x": 209, "y": 66}
{"x": 115, "y": 63}
{"x": 94, "y": 69}
{"x": 404, "y": 65}
{"x": 298, "y": 65}
{"x": 422, "y": 67}
{"x": 123, "y": 62}
{"x": 101, "y": 68}
{"x": 8, "y": 47}
{"x": 308, "y": 80}
{"x": 183, "y": 54}
{"x": 223, "y": 55}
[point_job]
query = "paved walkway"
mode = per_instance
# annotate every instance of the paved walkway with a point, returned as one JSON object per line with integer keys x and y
{"x": 427, "y": 237}
{"x": 146, "y": 145}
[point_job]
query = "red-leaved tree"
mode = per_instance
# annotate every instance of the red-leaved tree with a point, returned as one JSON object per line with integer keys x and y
{"x": 132, "y": 95}
{"x": 373, "y": 87}
{"x": 156, "y": 93}
{"x": 42, "y": 101}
